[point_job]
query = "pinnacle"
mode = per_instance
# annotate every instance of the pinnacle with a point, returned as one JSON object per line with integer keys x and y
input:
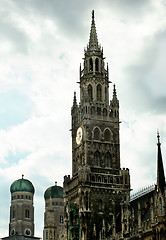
{"x": 160, "y": 168}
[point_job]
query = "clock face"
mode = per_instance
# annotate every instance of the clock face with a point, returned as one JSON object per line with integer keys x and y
{"x": 79, "y": 135}
{"x": 27, "y": 232}
{"x": 12, "y": 232}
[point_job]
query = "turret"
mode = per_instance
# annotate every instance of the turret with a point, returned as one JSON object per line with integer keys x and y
{"x": 160, "y": 168}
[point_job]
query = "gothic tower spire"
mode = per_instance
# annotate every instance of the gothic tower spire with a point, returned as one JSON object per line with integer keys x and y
{"x": 93, "y": 41}
{"x": 160, "y": 168}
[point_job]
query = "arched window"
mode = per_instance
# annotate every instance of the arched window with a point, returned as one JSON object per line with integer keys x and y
{"x": 107, "y": 135}
{"x": 90, "y": 64}
{"x": 100, "y": 204}
{"x": 99, "y": 179}
{"x": 86, "y": 200}
{"x": 92, "y": 110}
{"x": 105, "y": 93}
{"x": 96, "y": 64}
{"x": 110, "y": 206}
{"x": 47, "y": 234}
{"x": 14, "y": 213}
{"x": 161, "y": 207}
{"x": 61, "y": 218}
{"x": 99, "y": 93}
{"x": 104, "y": 112}
{"x": 111, "y": 113}
{"x": 26, "y": 213}
{"x": 97, "y": 158}
{"x": 90, "y": 92}
{"x": 108, "y": 162}
{"x": 93, "y": 178}
{"x": 96, "y": 134}
{"x": 98, "y": 111}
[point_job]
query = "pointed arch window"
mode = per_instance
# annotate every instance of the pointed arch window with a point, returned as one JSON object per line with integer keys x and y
{"x": 99, "y": 93}
{"x": 96, "y": 64}
{"x": 107, "y": 135}
{"x": 100, "y": 204}
{"x": 97, "y": 158}
{"x": 86, "y": 201}
{"x": 105, "y": 112}
{"x": 90, "y": 64}
{"x": 96, "y": 134}
{"x": 108, "y": 160}
{"x": 90, "y": 92}
{"x": 105, "y": 93}
{"x": 92, "y": 110}
{"x": 161, "y": 207}
{"x": 98, "y": 111}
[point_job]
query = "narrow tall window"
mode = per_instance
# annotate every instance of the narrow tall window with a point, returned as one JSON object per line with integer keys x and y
{"x": 107, "y": 135}
{"x": 97, "y": 158}
{"x": 90, "y": 64}
{"x": 90, "y": 92}
{"x": 86, "y": 200}
{"x": 99, "y": 94}
{"x": 161, "y": 207}
{"x": 96, "y": 134}
{"x": 108, "y": 160}
{"x": 46, "y": 234}
{"x": 61, "y": 219}
{"x": 26, "y": 213}
{"x": 105, "y": 94}
{"x": 98, "y": 111}
{"x": 97, "y": 65}
{"x": 100, "y": 204}
{"x": 14, "y": 213}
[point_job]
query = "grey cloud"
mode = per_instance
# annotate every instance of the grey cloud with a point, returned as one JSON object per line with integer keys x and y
{"x": 145, "y": 78}
{"x": 68, "y": 15}
{"x": 11, "y": 33}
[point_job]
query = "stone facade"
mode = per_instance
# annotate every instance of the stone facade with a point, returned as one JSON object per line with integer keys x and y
{"x": 54, "y": 213}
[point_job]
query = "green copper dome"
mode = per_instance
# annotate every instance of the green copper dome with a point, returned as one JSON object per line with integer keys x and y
{"x": 22, "y": 185}
{"x": 53, "y": 192}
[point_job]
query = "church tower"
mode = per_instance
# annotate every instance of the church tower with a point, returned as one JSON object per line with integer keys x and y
{"x": 22, "y": 209}
{"x": 95, "y": 193}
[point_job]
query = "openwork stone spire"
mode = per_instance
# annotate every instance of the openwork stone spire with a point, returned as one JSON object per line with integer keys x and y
{"x": 93, "y": 41}
{"x": 160, "y": 168}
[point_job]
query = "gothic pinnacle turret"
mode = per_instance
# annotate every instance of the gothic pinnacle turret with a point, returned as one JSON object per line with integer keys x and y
{"x": 160, "y": 168}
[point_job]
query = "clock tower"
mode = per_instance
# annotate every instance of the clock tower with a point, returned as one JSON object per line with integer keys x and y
{"x": 95, "y": 194}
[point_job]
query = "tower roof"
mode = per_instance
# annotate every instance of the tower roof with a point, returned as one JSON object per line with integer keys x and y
{"x": 53, "y": 192}
{"x": 160, "y": 168}
{"x": 22, "y": 185}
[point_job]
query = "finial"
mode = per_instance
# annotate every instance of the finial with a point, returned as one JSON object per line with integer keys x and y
{"x": 22, "y": 176}
{"x": 114, "y": 88}
{"x": 158, "y": 137}
{"x": 55, "y": 183}
{"x": 74, "y": 99}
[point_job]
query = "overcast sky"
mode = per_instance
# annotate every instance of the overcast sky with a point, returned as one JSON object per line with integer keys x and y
{"x": 41, "y": 47}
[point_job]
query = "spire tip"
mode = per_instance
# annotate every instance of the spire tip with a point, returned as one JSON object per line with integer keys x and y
{"x": 158, "y": 137}
{"x": 93, "y": 15}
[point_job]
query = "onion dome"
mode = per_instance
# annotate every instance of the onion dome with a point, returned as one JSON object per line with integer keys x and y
{"x": 53, "y": 192}
{"x": 22, "y": 185}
